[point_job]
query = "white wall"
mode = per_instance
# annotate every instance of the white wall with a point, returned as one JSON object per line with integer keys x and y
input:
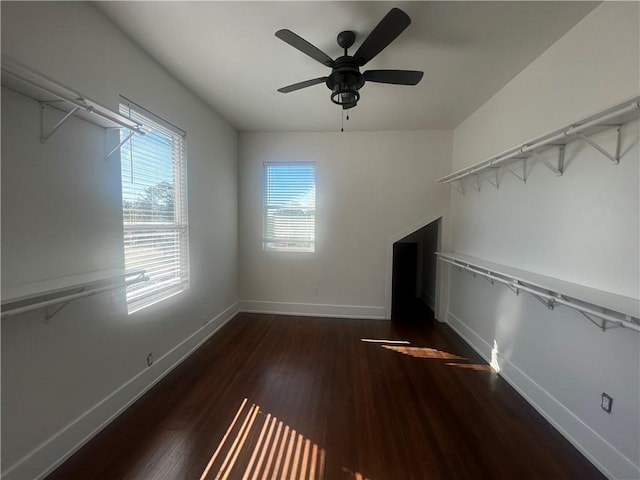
{"x": 582, "y": 227}
{"x": 61, "y": 215}
{"x": 370, "y": 187}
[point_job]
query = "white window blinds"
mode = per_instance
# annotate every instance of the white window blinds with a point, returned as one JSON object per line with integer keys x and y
{"x": 289, "y": 206}
{"x": 154, "y": 205}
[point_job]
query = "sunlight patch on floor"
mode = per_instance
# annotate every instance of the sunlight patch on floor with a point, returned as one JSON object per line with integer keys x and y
{"x": 423, "y": 352}
{"x": 472, "y": 366}
{"x": 258, "y": 446}
{"x": 354, "y": 475}
{"x": 359, "y": 476}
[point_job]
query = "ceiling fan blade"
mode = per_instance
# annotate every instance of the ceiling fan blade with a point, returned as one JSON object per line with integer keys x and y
{"x": 299, "y": 85}
{"x": 382, "y": 35}
{"x": 305, "y": 47}
{"x": 397, "y": 77}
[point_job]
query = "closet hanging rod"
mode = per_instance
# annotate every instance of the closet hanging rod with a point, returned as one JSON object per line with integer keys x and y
{"x": 70, "y": 297}
{"x": 77, "y": 103}
{"x": 610, "y": 118}
{"x": 553, "y": 296}
{"x": 632, "y": 107}
{"x": 24, "y": 76}
{"x": 26, "y": 297}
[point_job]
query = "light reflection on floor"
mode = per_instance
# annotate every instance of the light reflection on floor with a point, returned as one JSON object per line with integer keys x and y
{"x": 382, "y": 340}
{"x": 258, "y": 446}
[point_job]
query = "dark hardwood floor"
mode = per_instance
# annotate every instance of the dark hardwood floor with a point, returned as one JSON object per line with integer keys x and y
{"x": 308, "y": 398}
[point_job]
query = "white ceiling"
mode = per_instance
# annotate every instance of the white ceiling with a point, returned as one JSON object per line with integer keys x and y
{"x": 226, "y": 53}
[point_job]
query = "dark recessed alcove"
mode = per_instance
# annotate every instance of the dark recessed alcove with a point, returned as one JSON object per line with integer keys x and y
{"x": 414, "y": 274}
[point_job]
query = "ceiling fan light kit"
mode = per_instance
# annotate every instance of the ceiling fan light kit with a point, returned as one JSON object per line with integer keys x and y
{"x": 345, "y": 95}
{"x": 345, "y": 78}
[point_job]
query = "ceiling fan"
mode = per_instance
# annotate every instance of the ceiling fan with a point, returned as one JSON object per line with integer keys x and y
{"x": 345, "y": 78}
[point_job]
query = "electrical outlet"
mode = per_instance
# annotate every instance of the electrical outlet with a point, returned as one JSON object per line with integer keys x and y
{"x": 315, "y": 290}
{"x": 607, "y": 402}
{"x": 150, "y": 359}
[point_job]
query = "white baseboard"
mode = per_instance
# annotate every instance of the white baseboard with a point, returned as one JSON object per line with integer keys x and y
{"x": 598, "y": 450}
{"x": 54, "y": 451}
{"x": 313, "y": 310}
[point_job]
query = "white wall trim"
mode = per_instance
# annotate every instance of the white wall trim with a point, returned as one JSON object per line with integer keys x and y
{"x": 59, "y": 447}
{"x": 388, "y": 283}
{"x": 599, "y": 451}
{"x": 313, "y": 309}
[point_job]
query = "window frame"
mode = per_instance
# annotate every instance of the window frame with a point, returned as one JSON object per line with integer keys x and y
{"x": 175, "y": 232}
{"x": 267, "y": 241}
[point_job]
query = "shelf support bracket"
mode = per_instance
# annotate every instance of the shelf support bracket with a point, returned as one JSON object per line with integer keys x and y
{"x": 632, "y": 320}
{"x": 476, "y": 186}
{"x": 614, "y": 158}
{"x": 601, "y": 323}
{"x": 522, "y": 178}
{"x": 495, "y": 183}
{"x": 559, "y": 170}
{"x": 126, "y": 139}
{"x": 487, "y": 278}
{"x": 45, "y": 136}
{"x": 459, "y": 190}
{"x": 549, "y": 303}
{"x": 52, "y": 312}
{"x": 561, "y": 150}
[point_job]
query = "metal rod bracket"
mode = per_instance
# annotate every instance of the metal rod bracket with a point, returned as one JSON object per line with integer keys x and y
{"x": 488, "y": 278}
{"x": 45, "y": 136}
{"x": 496, "y": 182}
{"x": 615, "y": 158}
{"x": 459, "y": 190}
{"x": 476, "y": 186}
{"x": 559, "y": 169}
{"x": 52, "y": 312}
{"x": 131, "y": 133}
{"x": 523, "y": 177}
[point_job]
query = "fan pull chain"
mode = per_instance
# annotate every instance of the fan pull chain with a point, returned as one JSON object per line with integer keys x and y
{"x": 342, "y": 118}
{"x": 343, "y": 115}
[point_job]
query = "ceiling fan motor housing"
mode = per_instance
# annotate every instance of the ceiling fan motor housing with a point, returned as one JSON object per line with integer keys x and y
{"x": 344, "y": 82}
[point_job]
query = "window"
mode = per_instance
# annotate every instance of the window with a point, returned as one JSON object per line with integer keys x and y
{"x": 289, "y": 207}
{"x": 154, "y": 206}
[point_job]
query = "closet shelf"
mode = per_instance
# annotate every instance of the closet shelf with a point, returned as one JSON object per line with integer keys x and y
{"x": 23, "y": 298}
{"x": 612, "y": 118}
{"x": 604, "y": 309}
{"x": 46, "y": 91}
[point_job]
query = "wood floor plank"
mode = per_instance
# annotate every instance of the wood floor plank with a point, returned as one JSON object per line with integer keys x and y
{"x": 274, "y": 396}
